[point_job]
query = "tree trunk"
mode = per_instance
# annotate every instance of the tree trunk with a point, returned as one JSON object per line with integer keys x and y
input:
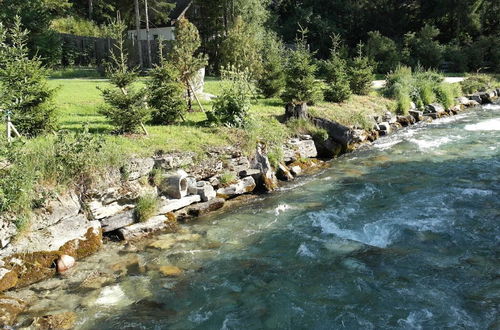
{"x": 148, "y": 43}
{"x": 296, "y": 111}
{"x": 91, "y": 9}
{"x": 138, "y": 31}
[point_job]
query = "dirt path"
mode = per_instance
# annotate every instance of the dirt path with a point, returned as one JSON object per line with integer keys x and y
{"x": 377, "y": 84}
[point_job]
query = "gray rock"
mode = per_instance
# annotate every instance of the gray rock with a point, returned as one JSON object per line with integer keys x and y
{"x": 238, "y": 164}
{"x": 418, "y": 115}
{"x": 296, "y": 170}
{"x": 406, "y": 120}
{"x": 100, "y": 211}
{"x": 7, "y": 231}
{"x": 261, "y": 162}
{"x": 175, "y": 184}
{"x": 174, "y": 161}
{"x": 142, "y": 229}
{"x": 389, "y": 117}
{"x": 204, "y": 208}
{"x": 296, "y": 148}
{"x": 434, "y": 108}
{"x": 138, "y": 167}
{"x": 385, "y": 126}
{"x": 170, "y": 205}
{"x": 241, "y": 187}
{"x": 53, "y": 237}
{"x": 463, "y": 100}
{"x": 284, "y": 173}
{"x": 118, "y": 221}
{"x": 476, "y": 98}
{"x": 63, "y": 207}
{"x": 486, "y": 97}
{"x": 204, "y": 189}
{"x": 337, "y": 132}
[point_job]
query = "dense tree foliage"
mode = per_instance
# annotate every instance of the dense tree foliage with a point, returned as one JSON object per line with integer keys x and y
{"x": 23, "y": 79}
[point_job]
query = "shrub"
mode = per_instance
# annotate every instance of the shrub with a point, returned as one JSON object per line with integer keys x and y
{"x": 300, "y": 82}
{"x": 402, "y": 97}
{"x": 24, "y": 81}
{"x": 165, "y": 93}
{"x": 76, "y": 155}
{"x": 125, "y": 107}
{"x": 383, "y": 51}
{"x": 477, "y": 83}
{"x": 361, "y": 74}
{"x": 272, "y": 79}
{"x": 337, "y": 80}
{"x": 146, "y": 207}
{"x": 227, "y": 178}
{"x": 445, "y": 95}
{"x": 232, "y": 106}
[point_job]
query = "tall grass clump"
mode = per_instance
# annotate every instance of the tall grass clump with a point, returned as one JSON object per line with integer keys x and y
{"x": 146, "y": 207}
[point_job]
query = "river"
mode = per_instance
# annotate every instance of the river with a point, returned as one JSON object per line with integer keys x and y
{"x": 400, "y": 235}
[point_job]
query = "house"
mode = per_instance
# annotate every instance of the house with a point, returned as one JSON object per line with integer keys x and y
{"x": 165, "y": 31}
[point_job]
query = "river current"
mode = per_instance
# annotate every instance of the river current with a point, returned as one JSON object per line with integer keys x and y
{"x": 403, "y": 234}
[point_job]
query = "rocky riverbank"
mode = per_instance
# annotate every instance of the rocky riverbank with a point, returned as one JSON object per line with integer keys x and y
{"x": 73, "y": 224}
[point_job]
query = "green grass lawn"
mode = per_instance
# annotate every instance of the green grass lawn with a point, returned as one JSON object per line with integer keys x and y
{"x": 78, "y": 102}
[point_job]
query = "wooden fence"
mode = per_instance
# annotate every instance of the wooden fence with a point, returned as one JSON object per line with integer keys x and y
{"x": 91, "y": 51}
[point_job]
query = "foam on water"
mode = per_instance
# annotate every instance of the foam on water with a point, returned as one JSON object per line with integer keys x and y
{"x": 304, "y": 251}
{"x": 487, "y": 125}
{"x": 426, "y": 144}
{"x": 491, "y": 107}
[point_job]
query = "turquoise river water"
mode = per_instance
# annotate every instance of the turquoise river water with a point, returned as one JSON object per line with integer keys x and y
{"x": 400, "y": 235}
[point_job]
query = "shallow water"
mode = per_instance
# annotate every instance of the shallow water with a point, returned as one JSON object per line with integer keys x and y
{"x": 402, "y": 235}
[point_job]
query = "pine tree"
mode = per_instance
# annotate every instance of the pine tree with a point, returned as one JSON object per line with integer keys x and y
{"x": 166, "y": 92}
{"x": 125, "y": 107}
{"x": 26, "y": 94}
{"x": 300, "y": 81}
{"x": 272, "y": 79}
{"x": 361, "y": 73}
{"x": 337, "y": 79}
{"x": 184, "y": 54}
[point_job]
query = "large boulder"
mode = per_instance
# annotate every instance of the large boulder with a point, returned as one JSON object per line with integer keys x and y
{"x": 434, "y": 108}
{"x": 137, "y": 168}
{"x": 267, "y": 179}
{"x": 297, "y": 148}
{"x": 99, "y": 210}
{"x": 337, "y": 132}
{"x": 138, "y": 230}
{"x": 486, "y": 97}
{"x": 204, "y": 189}
{"x": 171, "y": 205}
{"x": 241, "y": 187}
{"x": 174, "y": 161}
{"x": 476, "y": 97}
{"x": 284, "y": 173}
{"x": 204, "y": 208}
{"x": 118, "y": 221}
{"x": 62, "y": 207}
{"x": 418, "y": 115}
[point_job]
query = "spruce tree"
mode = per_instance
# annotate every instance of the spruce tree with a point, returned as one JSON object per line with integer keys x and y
{"x": 272, "y": 79}
{"x": 184, "y": 54}
{"x": 361, "y": 73}
{"x": 166, "y": 92}
{"x": 300, "y": 82}
{"x": 241, "y": 50}
{"x": 337, "y": 78}
{"x": 125, "y": 107}
{"x": 26, "y": 94}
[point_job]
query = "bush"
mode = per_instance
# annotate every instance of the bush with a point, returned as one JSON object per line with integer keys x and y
{"x": 445, "y": 95}
{"x": 300, "y": 82}
{"x": 476, "y": 83}
{"x": 232, "y": 106}
{"x": 125, "y": 107}
{"x": 272, "y": 79}
{"x": 383, "y": 51}
{"x": 146, "y": 207}
{"x": 361, "y": 75}
{"x": 24, "y": 81}
{"x": 337, "y": 79}
{"x": 165, "y": 94}
{"x": 75, "y": 155}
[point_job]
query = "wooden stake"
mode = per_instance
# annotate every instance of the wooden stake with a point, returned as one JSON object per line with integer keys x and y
{"x": 195, "y": 96}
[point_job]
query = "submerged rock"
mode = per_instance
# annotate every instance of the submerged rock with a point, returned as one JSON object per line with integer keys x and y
{"x": 61, "y": 321}
{"x": 204, "y": 208}
{"x": 170, "y": 271}
{"x": 113, "y": 296}
{"x": 10, "y": 308}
